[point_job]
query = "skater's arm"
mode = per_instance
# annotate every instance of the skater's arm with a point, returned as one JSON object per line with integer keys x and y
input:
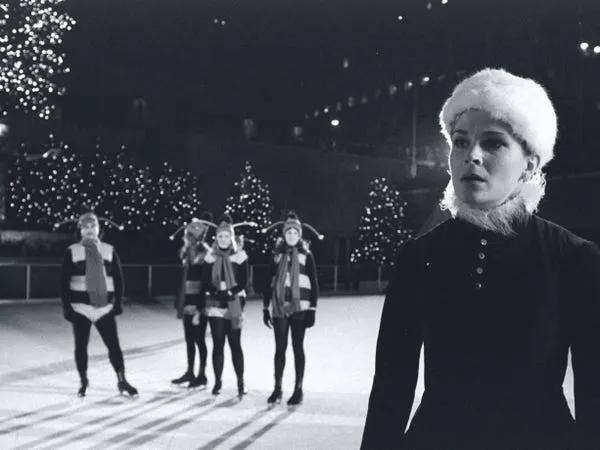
{"x": 585, "y": 349}
{"x": 311, "y": 269}
{"x": 65, "y": 283}
{"x": 268, "y": 288}
{"x": 117, "y": 274}
{"x": 396, "y": 361}
{"x": 242, "y": 278}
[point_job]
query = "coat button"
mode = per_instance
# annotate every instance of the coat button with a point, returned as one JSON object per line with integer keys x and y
{"x": 481, "y": 255}
{"x": 478, "y": 286}
{"x": 483, "y": 241}
{"x": 479, "y": 270}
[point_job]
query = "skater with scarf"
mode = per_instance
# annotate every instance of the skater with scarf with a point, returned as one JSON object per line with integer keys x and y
{"x": 291, "y": 294}
{"x": 188, "y": 301}
{"x": 92, "y": 293}
{"x": 225, "y": 275}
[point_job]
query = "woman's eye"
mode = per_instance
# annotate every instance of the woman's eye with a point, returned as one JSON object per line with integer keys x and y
{"x": 492, "y": 144}
{"x": 460, "y": 142}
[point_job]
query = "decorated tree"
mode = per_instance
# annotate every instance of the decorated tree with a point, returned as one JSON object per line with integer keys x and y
{"x": 251, "y": 202}
{"x": 49, "y": 191}
{"x": 164, "y": 198}
{"x": 33, "y": 66}
{"x": 381, "y": 230}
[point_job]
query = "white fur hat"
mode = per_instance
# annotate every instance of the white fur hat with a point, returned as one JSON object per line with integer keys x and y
{"x": 519, "y": 102}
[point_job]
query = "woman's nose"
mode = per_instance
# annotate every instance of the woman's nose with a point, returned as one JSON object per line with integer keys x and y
{"x": 474, "y": 155}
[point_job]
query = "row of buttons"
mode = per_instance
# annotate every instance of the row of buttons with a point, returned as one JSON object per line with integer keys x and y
{"x": 479, "y": 270}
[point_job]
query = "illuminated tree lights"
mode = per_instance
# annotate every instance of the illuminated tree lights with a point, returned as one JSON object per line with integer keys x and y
{"x": 32, "y": 65}
{"x": 381, "y": 230}
{"x": 251, "y": 202}
{"x": 43, "y": 193}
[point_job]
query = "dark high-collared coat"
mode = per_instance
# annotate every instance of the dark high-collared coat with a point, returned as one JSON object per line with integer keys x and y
{"x": 497, "y": 316}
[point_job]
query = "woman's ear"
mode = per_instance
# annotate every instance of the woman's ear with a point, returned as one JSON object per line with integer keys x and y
{"x": 533, "y": 163}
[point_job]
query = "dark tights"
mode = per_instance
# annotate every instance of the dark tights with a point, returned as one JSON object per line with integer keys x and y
{"x": 107, "y": 327}
{"x": 281, "y": 328}
{"x": 220, "y": 328}
{"x": 195, "y": 335}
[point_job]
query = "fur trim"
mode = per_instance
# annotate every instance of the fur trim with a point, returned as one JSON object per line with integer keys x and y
{"x": 502, "y": 218}
{"x": 521, "y": 103}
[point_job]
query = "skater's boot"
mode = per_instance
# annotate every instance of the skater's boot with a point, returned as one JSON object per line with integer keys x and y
{"x": 84, "y": 383}
{"x": 185, "y": 378}
{"x": 199, "y": 382}
{"x": 217, "y": 387}
{"x": 123, "y": 385}
{"x": 296, "y": 397}
{"x": 241, "y": 388}
{"x": 275, "y": 397}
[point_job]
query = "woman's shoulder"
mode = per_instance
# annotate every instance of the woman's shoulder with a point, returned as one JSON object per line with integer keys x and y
{"x": 560, "y": 239}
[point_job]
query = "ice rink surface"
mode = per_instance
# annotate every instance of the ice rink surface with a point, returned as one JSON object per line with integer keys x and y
{"x": 38, "y": 383}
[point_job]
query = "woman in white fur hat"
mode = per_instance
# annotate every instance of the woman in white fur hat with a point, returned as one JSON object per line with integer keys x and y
{"x": 496, "y": 295}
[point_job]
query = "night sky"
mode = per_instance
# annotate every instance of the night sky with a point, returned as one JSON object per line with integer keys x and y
{"x": 282, "y": 57}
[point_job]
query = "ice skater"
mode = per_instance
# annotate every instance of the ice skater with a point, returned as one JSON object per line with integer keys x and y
{"x": 224, "y": 280}
{"x": 291, "y": 293}
{"x": 92, "y": 293}
{"x": 496, "y": 295}
{"x": 188, "y": 301}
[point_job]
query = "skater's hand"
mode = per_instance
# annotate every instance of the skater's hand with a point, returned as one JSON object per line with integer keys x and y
{"x": 309, "y": 318}
{"x": 196, "y": 319}
{"x": 267, "y": 318}
{"x": 190, "y": 310}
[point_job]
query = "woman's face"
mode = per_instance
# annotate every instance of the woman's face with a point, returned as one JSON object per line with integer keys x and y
{"x": 90, "y": 230}
{"x": 292, "y": 237}
{"x": 224, "y": 239}
{"x": 487, "y": 162}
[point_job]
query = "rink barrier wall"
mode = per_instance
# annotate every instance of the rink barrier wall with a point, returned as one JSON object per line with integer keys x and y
{"x": 29, "y": 281}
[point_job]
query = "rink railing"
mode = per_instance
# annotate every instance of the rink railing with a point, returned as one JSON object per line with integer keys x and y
{"x": 28, "y": 281}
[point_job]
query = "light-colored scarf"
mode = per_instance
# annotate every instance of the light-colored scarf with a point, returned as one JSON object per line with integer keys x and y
{"x": 94, "y": 273}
